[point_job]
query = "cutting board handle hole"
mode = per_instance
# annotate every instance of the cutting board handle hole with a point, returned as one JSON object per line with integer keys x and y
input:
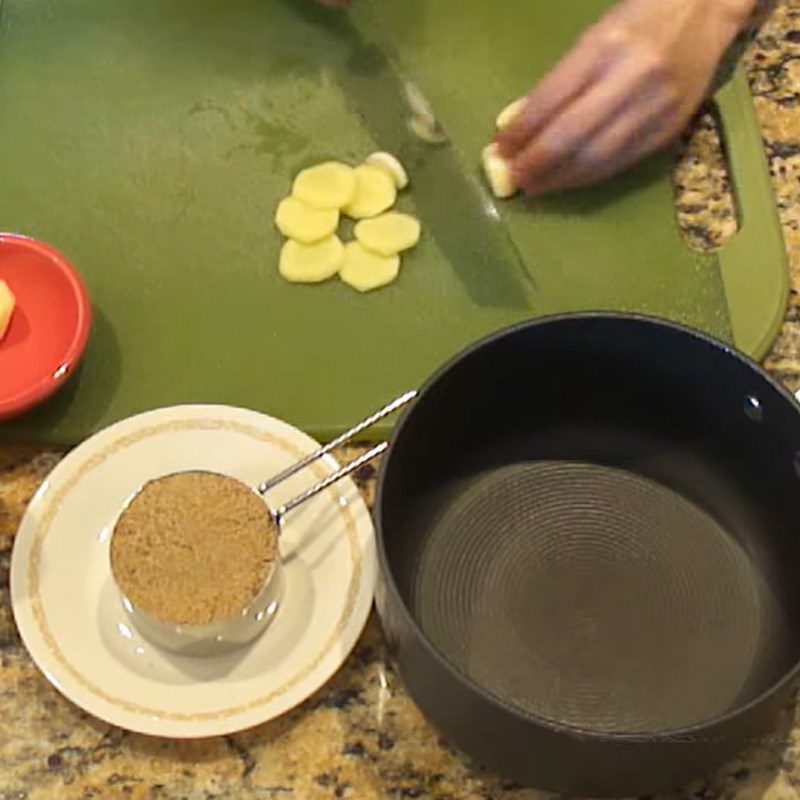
{"x": 701, "y": 182}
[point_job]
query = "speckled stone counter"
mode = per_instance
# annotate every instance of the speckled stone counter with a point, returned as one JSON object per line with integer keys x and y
{"x": 361, "y": 736}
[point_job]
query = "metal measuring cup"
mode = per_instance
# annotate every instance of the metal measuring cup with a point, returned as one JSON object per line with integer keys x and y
{"x": 223, "y": 635}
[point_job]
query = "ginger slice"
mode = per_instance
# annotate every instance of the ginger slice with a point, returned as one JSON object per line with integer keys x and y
{"x": 331, "y": 185}
{"x": 375, "y": 193}
{"x": 311, "y": 263}
{"x": 389, "y": 233}
{"x": 366, "y": 271}
{"x": 304, "y": 223}
{"x": 392, "y": 165}
{"x": 498, "y": 173}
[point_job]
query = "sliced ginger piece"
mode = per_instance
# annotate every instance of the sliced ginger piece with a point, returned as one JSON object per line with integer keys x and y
{"x": 392, "y": 165}
{"x": 304, "y": 223}
{"x": 7, "y": 304}
{"x": 331, "y": 185}
{"x": 389, "y": 233}
{"x": 498, "y": 173}
{"x": 365, "y": 271}
{"x": 375, "y": 192}
{"x": 311, "y": 263}
{"x": 510, "y": 113}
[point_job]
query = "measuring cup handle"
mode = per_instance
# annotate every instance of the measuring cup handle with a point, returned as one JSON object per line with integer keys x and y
{"x": 340, "y": 473}
{"x": 390, "y": 408}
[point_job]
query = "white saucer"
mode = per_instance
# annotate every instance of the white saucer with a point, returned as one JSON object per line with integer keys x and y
{"x": 73, "y": 624}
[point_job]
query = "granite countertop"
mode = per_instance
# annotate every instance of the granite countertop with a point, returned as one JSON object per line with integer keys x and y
{"x": 361, "y": 736}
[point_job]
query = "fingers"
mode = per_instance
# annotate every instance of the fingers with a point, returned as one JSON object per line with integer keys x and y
{"x": 636, "y": 133}
{"x": 558, "y": 89}
{"x": 626, "y": 87}
{"x": 573, "y": 127}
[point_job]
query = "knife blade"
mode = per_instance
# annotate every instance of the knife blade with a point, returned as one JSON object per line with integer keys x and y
{"x": 458, "y": 210}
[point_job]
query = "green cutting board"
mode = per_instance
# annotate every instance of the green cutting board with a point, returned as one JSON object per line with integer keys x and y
{"x": 150, "y": 141}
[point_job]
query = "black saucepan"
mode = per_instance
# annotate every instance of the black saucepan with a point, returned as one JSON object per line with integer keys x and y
{"x": 588, "y": 534}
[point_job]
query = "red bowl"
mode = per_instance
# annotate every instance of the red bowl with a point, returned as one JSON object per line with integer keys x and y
{"x": 49, "y": 327}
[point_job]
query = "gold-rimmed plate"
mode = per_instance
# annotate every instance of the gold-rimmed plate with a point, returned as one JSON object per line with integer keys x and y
{"x": 69, "y": 612}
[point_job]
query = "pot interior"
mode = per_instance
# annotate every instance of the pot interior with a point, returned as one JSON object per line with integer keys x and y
{"x": 590, "y": 518}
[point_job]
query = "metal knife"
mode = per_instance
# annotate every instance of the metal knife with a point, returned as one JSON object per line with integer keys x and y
{"x": 456, "y": 207}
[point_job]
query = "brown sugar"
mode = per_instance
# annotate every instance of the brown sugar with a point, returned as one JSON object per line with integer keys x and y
{"x": 193, "y": 548}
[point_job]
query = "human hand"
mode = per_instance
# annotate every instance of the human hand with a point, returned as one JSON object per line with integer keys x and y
{"x": 625, "y": 89}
